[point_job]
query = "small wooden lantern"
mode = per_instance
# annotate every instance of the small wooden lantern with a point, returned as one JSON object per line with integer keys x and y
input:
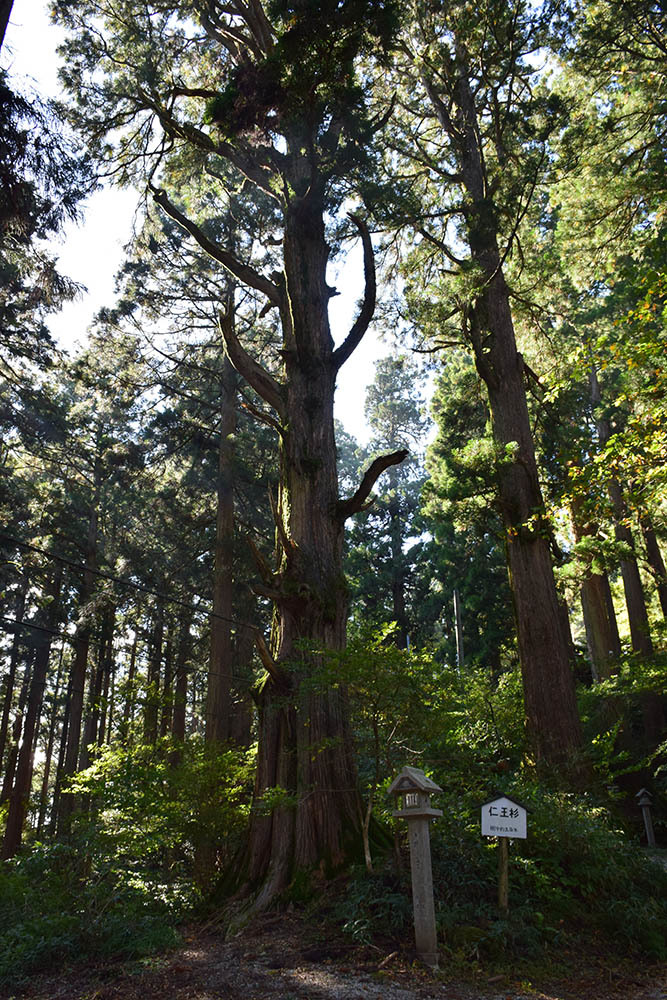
{"x": 416, "y": 790}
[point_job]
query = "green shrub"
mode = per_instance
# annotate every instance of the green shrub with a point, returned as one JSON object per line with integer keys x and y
{"x": 55, "y": 908}
{"x": 123, "y": 882}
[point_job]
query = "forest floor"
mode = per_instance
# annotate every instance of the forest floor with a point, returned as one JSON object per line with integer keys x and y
{"x": 284, "y": 957}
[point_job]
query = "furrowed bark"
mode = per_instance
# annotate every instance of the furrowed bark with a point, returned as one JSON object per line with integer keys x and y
{"x": 551, "y": 712}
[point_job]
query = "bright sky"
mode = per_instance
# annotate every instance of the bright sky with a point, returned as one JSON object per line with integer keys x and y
{"x": 91, "y": 253}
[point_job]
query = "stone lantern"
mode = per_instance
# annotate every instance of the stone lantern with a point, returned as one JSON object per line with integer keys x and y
{"x": 644, "y": 800}
{"x": 415, "y": 790}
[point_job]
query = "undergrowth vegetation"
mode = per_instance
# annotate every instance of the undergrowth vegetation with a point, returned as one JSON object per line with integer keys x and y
{"x": 58, "y": 905}
{"x": 126, "y": 878}
{"x": 577, "y": 873}
{"x": 130, "y": 873}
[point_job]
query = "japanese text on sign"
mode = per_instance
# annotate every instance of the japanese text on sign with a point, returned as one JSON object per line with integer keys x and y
{"x": 503, "y": 817}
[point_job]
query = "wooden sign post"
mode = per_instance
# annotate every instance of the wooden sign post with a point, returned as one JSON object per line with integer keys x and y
{"x": 506, "y": 819}
{"x": 416, "y": 789}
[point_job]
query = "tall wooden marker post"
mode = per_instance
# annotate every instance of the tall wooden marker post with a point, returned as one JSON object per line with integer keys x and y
{"x": 506, "y": 819}
{"x": 416, "y": 790}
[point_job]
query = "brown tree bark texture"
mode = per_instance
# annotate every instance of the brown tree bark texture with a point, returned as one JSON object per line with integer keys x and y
{"x": 551, "y": 712}
{"x": 305, "y": 742}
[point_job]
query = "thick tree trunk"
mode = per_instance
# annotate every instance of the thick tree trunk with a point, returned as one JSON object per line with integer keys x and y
{"x": 305, "y": 757}
{"x": 551, "y": 711}
{"x": 305, "y": 743}
{"x": 219, "y": 694}
{"x": 548, "y": 685}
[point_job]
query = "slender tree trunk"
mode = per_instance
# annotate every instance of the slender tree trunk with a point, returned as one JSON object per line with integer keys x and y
{"x": 548, "y": 684}
{"x": 130, "y": 686}
{"x": 153, "y": 679}
{"x": 112, "y": 701}
{"x": 55, "y": 807}
{"x": 194, "y": 702}
{"x": 602, "y": 638}
{"x": 10, "y": 677}
{"x": 396, "y": 533}
{"x": 181, "y": 683}
{"x": 640, "y": 633}
{"x": 91, "y": 720}
{"x": 181, "y": 679}
{"x": 219, "y": 688}
{"x": 599, "y": 631}
{"x": 18, "y": 803}
{"x": 218, "y": 699}
{"x": 655, "y": 561}
{"x": 79, "y": 665}
{"x": 44, "y": 794}
{"x": 167, "y": 693}
{"x": 16, "y": 729}
{"x": 107, "y": 670}
{"x": 633, "y": 588}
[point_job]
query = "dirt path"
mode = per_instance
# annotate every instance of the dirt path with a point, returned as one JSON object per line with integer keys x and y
{"x": 278, "y": 959}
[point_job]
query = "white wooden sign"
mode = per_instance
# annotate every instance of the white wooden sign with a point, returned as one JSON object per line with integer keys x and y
{"x": 504, "y": 817}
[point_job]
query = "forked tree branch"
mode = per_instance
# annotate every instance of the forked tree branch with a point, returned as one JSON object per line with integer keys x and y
{"x": 262, "y": 565}
{"x": 354, "y": 337}
{"x": 264, "y": 418}
{"x": 269, "y": 664}
{"x": 268, "y": 388}
{"x": 244, "y": 272}
{"x": 345, "y": 508}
